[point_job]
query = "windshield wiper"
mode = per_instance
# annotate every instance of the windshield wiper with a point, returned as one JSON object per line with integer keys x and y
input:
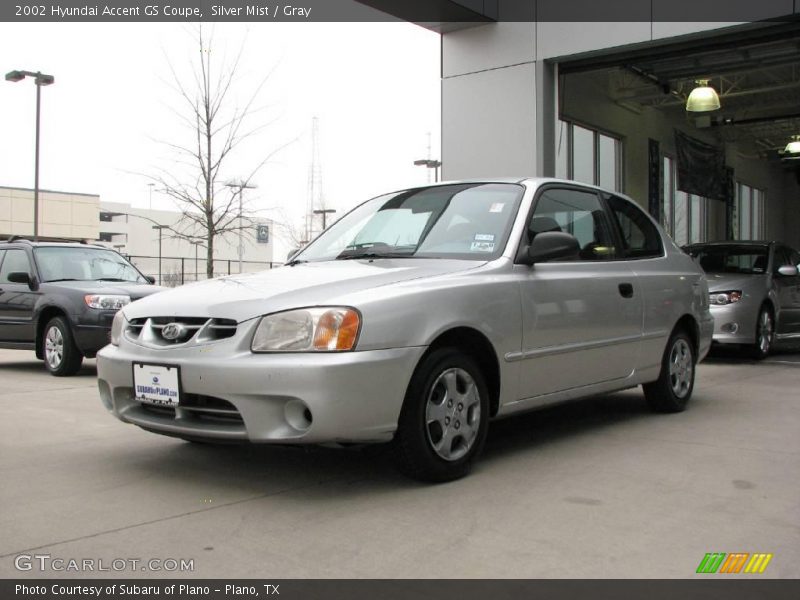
{"x": 113, "y": 279}
{"x": 294, "y": 262}
{"x": 366, "y": 253}
{"x": 64, "y": 279}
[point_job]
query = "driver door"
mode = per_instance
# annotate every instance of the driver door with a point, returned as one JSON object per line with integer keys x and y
{"x": 582, "y": 319}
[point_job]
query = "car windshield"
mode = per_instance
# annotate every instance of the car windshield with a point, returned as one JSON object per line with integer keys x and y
{"x": 61, "y": 263}
{"x": 470, "y": 221}
{"x": 748, "y": 260}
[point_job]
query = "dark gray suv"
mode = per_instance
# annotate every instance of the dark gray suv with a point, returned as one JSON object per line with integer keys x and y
{"x": 59, "y": 299}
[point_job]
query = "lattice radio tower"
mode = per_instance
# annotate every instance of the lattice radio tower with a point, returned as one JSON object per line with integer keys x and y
{"x": 316, "y": 198}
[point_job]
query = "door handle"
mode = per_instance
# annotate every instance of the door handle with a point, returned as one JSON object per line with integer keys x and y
{"x": 626, "y": 290}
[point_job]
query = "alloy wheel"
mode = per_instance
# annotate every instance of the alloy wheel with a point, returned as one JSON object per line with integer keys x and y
{"x": 681, "y": 368}
{"x": 54, "y": 347}
{"x": 765, "y": 332}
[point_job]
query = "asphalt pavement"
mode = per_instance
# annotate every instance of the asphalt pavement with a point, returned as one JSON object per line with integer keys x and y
{"x": 599, "y": 488}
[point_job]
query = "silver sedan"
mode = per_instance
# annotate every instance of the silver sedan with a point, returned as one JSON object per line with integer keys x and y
{"x": 415, "y": 319}
{"x": 755, "y": 292}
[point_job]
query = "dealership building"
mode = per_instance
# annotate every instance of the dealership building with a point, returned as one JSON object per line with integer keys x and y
{"x": 606, "y": 103}
{"x": 133, "y": 232}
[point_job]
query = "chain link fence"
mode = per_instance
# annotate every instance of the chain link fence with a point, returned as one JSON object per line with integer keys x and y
{"x": 172, "y": 271}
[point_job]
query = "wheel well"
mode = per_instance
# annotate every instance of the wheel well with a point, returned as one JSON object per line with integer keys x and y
{"x": 478, "y": 347}
{"x": 44, "y": 317}
{"x": 688, "y": 324}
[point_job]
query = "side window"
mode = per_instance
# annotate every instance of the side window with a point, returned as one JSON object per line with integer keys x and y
{"x": 640, "y": 238}
{"x": 15, "y": 260}
{"x": 576, "y": 212}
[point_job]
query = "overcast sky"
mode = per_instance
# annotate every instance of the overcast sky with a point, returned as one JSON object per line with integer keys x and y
{"x": 374, "y": 87}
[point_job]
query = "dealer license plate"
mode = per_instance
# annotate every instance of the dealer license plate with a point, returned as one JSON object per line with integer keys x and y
{"x": 156, "y": 384}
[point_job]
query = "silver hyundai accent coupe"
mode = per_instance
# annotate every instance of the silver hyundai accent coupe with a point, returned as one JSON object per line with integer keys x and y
{"x": 415, "y": 319}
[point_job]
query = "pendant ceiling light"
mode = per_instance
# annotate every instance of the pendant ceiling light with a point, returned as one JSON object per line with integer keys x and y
{"x": 703, "y": 98}
{"x": 793, "y": 147}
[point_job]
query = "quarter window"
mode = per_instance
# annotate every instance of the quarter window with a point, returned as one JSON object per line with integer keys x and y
{"x": 640, "y": 238}
{"x": 578, "y": 213}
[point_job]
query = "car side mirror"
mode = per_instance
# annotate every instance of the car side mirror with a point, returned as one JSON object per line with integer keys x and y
{"x": 551, "y": 245}
{"x": 150, "y": 279}
{"x": 23, "y": 277}
{"x": 292, "y": 253}
{"x": 785, "y": 270}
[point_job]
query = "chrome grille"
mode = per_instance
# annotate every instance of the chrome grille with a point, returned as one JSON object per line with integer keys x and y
{"x": 172, "y": 331}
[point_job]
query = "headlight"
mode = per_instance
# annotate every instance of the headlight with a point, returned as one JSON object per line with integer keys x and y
{"x": 325, "y": 329}
{"x": 117, "y": 327}
{"x": 106, "y": 302}
{"x": 723, "y": 298}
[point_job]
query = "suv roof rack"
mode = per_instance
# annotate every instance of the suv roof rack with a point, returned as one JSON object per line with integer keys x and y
{"x": 20, "y": 238}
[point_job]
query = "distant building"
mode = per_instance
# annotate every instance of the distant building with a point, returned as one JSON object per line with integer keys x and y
{"x": 61, "y": 214}
{"x": 75, "y": 216}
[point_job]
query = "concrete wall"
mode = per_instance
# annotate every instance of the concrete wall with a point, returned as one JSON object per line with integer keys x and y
{"x": 61, "y": 214}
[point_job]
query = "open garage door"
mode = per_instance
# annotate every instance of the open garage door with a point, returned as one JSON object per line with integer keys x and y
{"x": 715, "y": 174}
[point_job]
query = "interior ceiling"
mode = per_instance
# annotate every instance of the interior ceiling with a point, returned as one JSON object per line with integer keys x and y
{"x": 758, "y": 85}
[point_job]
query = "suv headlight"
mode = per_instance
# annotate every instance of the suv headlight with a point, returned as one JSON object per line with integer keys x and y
{"x": 117, "y": 327}
{"x": 106, "y": 301}
{"x": 723, "y": 298}
{"x": 321, "y": 329}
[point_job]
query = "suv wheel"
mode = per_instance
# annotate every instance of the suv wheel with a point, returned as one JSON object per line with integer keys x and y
{"x": 61, "y": 355}
{"x": 445, "y": 416}
{"x": 673, "y": 388}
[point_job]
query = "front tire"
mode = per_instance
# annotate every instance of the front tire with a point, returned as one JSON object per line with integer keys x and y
{"x": 445, "y": 417}
{"x": 673, "y": 388}
{"x": 765, "y": 332}
{"x": 61, "y": 356}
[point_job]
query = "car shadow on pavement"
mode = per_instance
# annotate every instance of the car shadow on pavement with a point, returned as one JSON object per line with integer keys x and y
{"x": 88, "y": 368}
{"x": 528, "y": 431}
{"x": 320, "y": 471}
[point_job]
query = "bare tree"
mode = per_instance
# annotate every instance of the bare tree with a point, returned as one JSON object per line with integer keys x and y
{"x": 204, "y": 162}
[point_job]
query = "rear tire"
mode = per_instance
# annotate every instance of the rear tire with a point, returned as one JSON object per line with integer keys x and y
{"x": 673, "y": 388}
{"x": 445, "y": 417}
{"x": 765, "y": 333}
{"x": 61, "y": 356}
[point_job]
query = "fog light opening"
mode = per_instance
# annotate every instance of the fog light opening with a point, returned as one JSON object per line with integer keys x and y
{"x": 298, "y": 415}
{"x": 730, "y": 327}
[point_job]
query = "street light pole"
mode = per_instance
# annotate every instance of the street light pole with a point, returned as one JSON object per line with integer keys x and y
{"x": 324, "y": 212}
{"x": 430, "y": 164}
{"x": 159, "y": 227}
{"x": 39, "y": 79}
{"x": 196, "y": 271}
{"x": 241, "y": 186}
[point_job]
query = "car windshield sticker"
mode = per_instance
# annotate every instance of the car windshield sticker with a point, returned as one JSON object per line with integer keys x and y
{"x": 482, "y": 247}
{"x": 484, "y": 237}
{"x": 497, "y": 207}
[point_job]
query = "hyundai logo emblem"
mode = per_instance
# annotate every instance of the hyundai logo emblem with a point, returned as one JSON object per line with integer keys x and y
{"x": 155, "y": 379}
{"x": 173, "y": 331}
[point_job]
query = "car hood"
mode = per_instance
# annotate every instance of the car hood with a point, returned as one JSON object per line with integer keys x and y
{"x": 243, "y": 297}
{"x": 122, "y": 288}
{"x": 722, "y": 282}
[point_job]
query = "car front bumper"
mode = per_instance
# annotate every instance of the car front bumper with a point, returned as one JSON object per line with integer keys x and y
{"x": 350, "y": 397}
{"x": 735, "y": 323}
